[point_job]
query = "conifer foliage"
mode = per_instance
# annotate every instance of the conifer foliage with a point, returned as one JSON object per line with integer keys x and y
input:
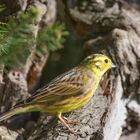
{"x": 17, "y": 38}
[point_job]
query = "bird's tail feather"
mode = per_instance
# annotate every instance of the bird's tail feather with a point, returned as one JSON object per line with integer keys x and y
{"x": 17, "y": 110}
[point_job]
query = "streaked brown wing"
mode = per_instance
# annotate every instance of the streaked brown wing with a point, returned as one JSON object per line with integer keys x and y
{"x": 67, "y": 84}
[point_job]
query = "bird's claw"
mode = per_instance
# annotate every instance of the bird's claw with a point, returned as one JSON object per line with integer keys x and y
{"x": 70, "y": 121}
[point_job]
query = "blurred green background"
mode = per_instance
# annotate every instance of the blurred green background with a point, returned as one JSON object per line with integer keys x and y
{"x": 64, "y": 59}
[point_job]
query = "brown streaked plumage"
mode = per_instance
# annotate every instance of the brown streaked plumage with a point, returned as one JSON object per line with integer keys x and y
{"x": 68, "y": 91}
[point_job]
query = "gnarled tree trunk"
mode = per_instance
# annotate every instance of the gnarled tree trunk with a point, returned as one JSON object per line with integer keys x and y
{"x": 17, "y": 84}
{"x": 110, "y": 27}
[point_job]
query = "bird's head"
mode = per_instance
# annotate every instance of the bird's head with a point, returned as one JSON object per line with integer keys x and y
{"x": 98, "y": 63}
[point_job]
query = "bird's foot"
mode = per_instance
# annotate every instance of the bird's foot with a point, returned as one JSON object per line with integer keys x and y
{"x": 73, "y": 132}
{"x": 70, "y": 121}
{"x": 65, "y": 123}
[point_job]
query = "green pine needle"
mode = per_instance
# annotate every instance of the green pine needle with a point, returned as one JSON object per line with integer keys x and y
{"x": 53, "y": 36}
{"x": 17, "y": 38}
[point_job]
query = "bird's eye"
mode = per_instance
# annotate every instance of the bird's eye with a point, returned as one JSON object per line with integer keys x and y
{"x": 106, "y": 61}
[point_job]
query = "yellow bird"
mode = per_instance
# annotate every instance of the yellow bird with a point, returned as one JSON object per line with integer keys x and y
{"x": 67, "y": 92}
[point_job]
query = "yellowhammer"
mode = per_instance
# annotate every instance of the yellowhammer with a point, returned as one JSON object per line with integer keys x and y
{"x": 68, "y": 91}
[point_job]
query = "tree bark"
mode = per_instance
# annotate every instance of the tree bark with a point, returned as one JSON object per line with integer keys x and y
{"x": 17, "y": 84}
{"x": 111, "y": 27}
{"x": 114, "y": 25}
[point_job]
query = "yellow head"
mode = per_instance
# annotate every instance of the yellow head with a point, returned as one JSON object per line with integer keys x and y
{"x": 98, "y": 64}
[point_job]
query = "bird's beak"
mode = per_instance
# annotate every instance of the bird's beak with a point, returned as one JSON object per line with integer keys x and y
{"x": 113, "y": 65}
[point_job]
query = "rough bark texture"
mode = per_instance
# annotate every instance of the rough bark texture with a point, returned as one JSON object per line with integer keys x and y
{"x": 112, "y": 27}
{"x": 115, "y": 28}
{"x": 15, "y": 85}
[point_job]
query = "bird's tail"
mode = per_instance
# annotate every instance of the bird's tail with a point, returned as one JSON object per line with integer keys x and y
{"x": 17, "y": 110}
